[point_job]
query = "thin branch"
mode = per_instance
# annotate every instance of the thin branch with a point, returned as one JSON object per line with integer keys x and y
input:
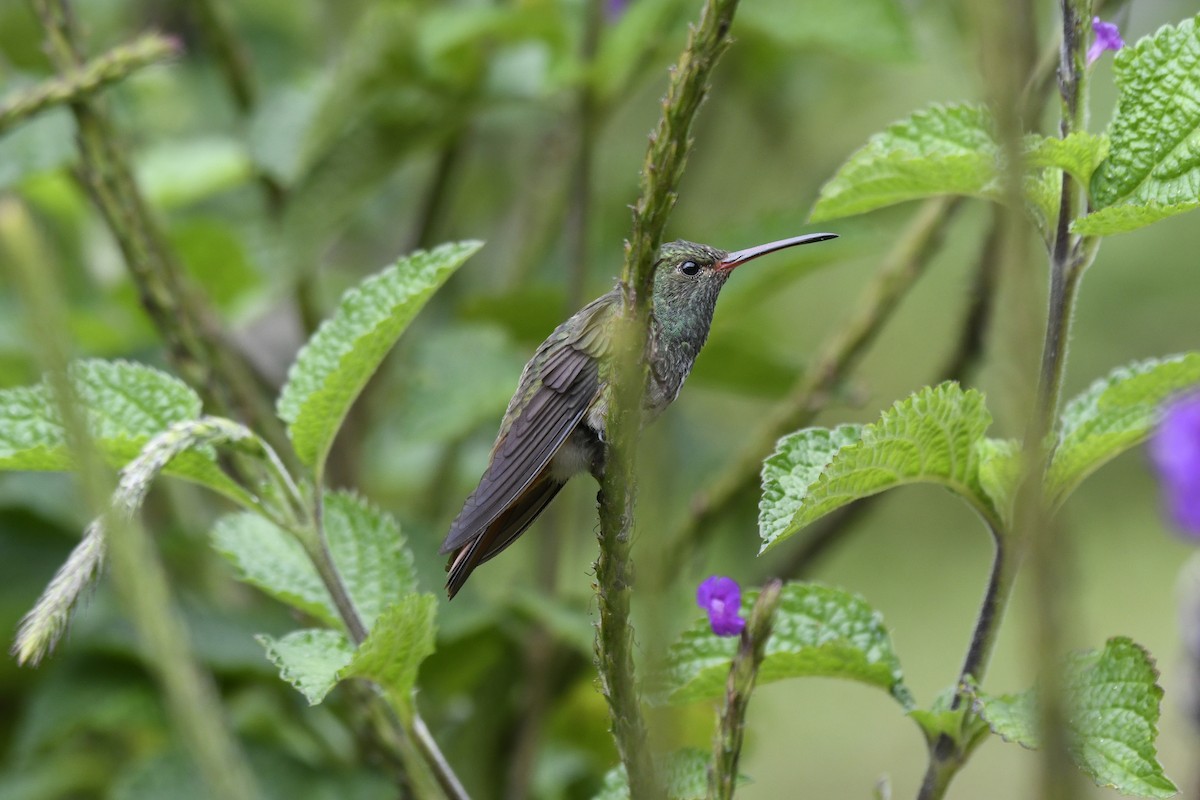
{"x": 838, "y": 356}
{"x": 88, "y": 79}
{"x": 662, "y": 170}
{"x": 195, "y": 343}
{"x": 743, "y": 672}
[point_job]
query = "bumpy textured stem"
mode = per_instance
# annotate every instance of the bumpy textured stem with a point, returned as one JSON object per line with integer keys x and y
{"x": 900, "y": 270}
{"x": 663, "y": 168}
{"x": 112, "y": 67}
{"x": 743, "y": 672}
{"x": 195, "y": 343}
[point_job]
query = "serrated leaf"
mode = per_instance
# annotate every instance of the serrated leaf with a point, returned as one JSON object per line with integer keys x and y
{"x": 945, "y": 149}
{"x": 930, "y": 437}
{"x": 1116, "y": 413}
{"x": 366, "y": 544}
{"x": 1154, "y": 161}
{"x": 126, "y": 404}
{"x": 273, "y": 560}
{"x": 795, "y": 465}
{"x": 1078, "y": 154}
{"x": 336, "y": 363}
{"x": 819, "y": 631}
{"x": 309, "y": 660}
{"x": 369, "y": 551}
{"x": 1114, "y": 699}
{"x": 401, "y": 639}
{"x": 685, "y": 772}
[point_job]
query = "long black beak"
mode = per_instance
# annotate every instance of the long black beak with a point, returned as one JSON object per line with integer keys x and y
{"x": 739, "y": 257}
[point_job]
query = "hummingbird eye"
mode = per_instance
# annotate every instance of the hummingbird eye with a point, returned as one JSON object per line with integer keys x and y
{"x": 689, "y": 268}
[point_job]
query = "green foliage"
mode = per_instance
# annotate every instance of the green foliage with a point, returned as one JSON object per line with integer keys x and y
{"x": 401, "y": 639}
{"x": 798, "y": 460}
{"x": 309, "y": 659}
{"x": 1153, "y": 167}
{"x": 337, "y": 362}
{"x": 1114, "y": 697}
{"x": 366, "y": 544}
{"x": 685, "y": 772}
{"x": 125, "y": 404}
{"x": 932, "y": 437}
{"x": 871, "y": 29}
{"x": 1116, "y": 413}
{"x": 941, "y": 150}
{"x": 818, "y": 631}
{"x": 1079, "y": 154}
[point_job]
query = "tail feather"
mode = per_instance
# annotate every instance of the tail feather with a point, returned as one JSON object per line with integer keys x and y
{"x": 501, "y": 532}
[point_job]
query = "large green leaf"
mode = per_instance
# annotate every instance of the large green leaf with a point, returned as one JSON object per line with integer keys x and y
{"x": 940, "y": 150}
{"x": 273, "y": 560}
{"x": 819, "y": 631}
{"x": 367, "y": 548}
{"x": 126, "y": 404}
{"x": 309, "y": 659}
{"x": 337, "y": 362}
{"x": 1079, "y": 154}
{"x": 401, "y": 639}
{"x": 684, "y": 771}
{"x": 933, "y": 436}
{"x": 1153, "y": 167}
{"x": 1116, "y": 413}
{"x": 1114, "y": 698}
{"x": 797, "y": 462}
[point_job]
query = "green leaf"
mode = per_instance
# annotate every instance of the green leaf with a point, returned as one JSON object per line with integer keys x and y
{"x": 999, "y": 471}
{"x": 940, "y": 150}
{"x": 942, "y": 719}
{"x": 401, "y": 639}
{"x": 1154, "y": 162}
{"x": 273, "y": 560}
{"x": 868, "y": 29}
{"x": 797, "y": 462}
{"x": 685, "y": 773}
{"x": 1115, "y": 698}
{"x": 126, "y": 404}
{"x": 1078, "y": 154}
{"x": 819, "y": 631}
{"x": 1116, "y": 413}
{"x": 1126, "y": 217}
{"x": 931, "y": 437}
{"x": 367, "y": 548}
{"x": 337, "y": 362}
{"x": 309, "y": 659}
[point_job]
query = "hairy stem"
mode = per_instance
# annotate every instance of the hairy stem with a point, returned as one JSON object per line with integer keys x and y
{"x": 195, "y": 343}
{"x": 661, "y": 172}
{"x": 841, "y": 352}
{"x": 87, "y": 79}
{"x": 743, "y": 672}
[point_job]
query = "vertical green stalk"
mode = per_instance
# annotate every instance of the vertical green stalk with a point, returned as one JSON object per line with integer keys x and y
{"x": 138, "y": 575}
{"x": 662, "y": 170}
{"x": 743, "y": 672}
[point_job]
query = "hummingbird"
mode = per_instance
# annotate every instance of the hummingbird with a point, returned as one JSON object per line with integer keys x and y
{"x": 554, "y": 426}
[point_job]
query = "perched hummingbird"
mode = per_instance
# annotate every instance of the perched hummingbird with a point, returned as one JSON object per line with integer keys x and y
{"x": 554, "y": 426}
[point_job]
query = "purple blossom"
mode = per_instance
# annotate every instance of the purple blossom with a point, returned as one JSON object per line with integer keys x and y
{"x": 1108, "y": 37}
{"x": 614, "y": 9}
{"x": 1175, "y": 451}
{"x": 721, "y": 598}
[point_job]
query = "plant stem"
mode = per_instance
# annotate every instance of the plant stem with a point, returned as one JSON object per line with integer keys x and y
{"x": 743, "y": 672}
{"x": 838, "y": 355}
{"x": 88, "y": 79}
{"x": 195, "y": 343}
{"x": 661, "y": 172}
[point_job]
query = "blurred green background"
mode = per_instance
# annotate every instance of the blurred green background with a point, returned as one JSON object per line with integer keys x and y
{"x": 380, "y": 126}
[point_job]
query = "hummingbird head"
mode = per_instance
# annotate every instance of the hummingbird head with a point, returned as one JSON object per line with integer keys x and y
{"x": 688, "y": 278}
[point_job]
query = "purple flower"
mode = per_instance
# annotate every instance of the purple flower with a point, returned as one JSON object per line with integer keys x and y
{"x": 1175, "y": 450}
{"x": 721, "y": 598}
{"x": 614, "y": 9}
{"x": 1108, "y": 37}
